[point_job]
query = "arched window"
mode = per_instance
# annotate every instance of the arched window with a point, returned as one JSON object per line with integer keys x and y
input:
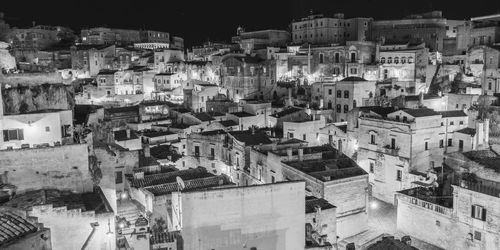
{"x": 339, "y": 93}
{"x": 389, "y": 60}
{"x": 339, "y": 108}
{"x": 396, "y": 60}
{"x": 403, "y": 60}
{"x": 410, "y": 59}
{"x": 354, "y": 104}
{"x": 382, "y": 60}
{"x": 346, "y": 108}
{"x": 346, "y": 94}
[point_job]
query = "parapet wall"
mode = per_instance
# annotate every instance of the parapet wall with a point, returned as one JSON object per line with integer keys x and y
{"x": 62, "y": 167}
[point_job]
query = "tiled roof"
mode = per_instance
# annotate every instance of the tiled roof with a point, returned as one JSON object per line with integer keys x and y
{"x": 228, "y": 123}
{"x": 313, "y": 202}
{"x": 251, "y": 139}
{"x": 163, "y": 237}
{"x": 242, "y": 114}
{"x": 121, "y": 135}
{"x": 157, "y": 133}
{"x": 179, "y": 125}
{"x": 467, "y": 131}
{"x": 389, "y": 243}
{"x": 13, "y": 227}
{"x": 343, "y": 128}
{"x": 486, "y": 158}
{"x": 169, "y": 177}
{"x": 193, "y": 184}
{"x": 422, "y": 112}
{"x": 286, "y": 112}
{"x": 353, "y": 79}
{"x": 453, "y": 113}
{"x": 107, "y": 72}
{"x": 382, "y": 111}
{"x": 204, "y": 117}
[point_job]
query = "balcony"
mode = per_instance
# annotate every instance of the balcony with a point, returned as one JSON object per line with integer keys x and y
{"x": 428, "y": 199}
{"x": 470, "y": 182}
{"x": 390, "y": 150}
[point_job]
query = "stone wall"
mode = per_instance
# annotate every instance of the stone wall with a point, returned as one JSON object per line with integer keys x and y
{"x": 263, "y": 216}
{"x": 62, "y": 167}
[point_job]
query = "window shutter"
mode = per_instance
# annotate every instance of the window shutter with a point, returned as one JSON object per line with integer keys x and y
{"x": 484, "y": 215}
{"x": 20, "y": 134}
{"x": 473, "y": 211}
{"x": 6, "y": 135}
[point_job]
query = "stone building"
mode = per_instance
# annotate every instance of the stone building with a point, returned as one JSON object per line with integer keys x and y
{"x": 405, "y": 62}
{"x": 429, "y": 28}
{"x": 482, "y": 30}
{"x": 319, "y": 29}
{"x": 350, "y": 93}
{"x": 254, "y": 41}
{"x": 247, "y": 77}
{"x": 92, "y": 58}
{"x": 398, "y": 147}
{"x": 483, "y": 63}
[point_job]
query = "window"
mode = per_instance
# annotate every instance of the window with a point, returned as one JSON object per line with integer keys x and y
{"x": 339, "y": 108}
{"x": 212, "y": 152}
{"x": 452, "y": 123}
{"x": 399, "y": 174}
{"x": 397, "y": 118}
{"x": 396, "y": 60}
{"x": 321, "y": 58}
{"x": 329, "y": 91}
{"x": 346, "y": 108}
{"x": 339, "y": 93}
{"x": 393, "y": 143}
{"x": 382, "y": 60}
{"x": 410, "y": 59}
{"x": 441, "y": 143}
{"x": 353, "y": 57}
{"x": 426, "y": 145}
{"x": 118, "y": 177}
{"x": 272, "y": 179}
{"x": 461, "y": 122}
{"x": 372, "y": 139}
{"x": 346, "y": 94}
{"x": 372, "y": 167}
{"x": 13, "y": 134}
{"x": 489, "y": 86}
{"x": 389, "y": 60}
{"x": 478, "y": 212}
{"x": 304, "y": 137}
{"x": 196, "y": 150}
{"x": 403, "y": 60}
{"x": 47, "y": 129}
{"x": 290, "y": 135}
{"x": 354, "y": 104}
{"x": 337, "y": 57}
{"x": 354, "y": 71}
{"x": 450, "y": 142}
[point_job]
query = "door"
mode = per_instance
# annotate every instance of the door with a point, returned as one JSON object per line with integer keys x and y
{"x": 460, "y": 145}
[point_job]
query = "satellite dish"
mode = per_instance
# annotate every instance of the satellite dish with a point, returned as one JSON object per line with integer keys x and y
{"x": 180, "y": 183}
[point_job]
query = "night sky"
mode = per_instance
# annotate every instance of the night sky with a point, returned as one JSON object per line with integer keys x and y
{"x": 199, "y": 21}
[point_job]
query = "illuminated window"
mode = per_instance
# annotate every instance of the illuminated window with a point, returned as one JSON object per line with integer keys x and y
{"x": 389, "y": 60}
{"x": 396, "y": 60}
{"x": 403, "y": 60}
{"x": 382, "y": 60}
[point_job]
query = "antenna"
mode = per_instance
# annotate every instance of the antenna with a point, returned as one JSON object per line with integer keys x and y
{"x": 180, "y": 183}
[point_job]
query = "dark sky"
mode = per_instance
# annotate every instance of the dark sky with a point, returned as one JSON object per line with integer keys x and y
{"x": 198, "y": 21}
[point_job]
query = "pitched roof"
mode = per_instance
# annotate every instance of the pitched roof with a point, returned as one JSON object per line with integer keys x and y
{"x": 467, "y": 131}
{"x": 389, "y": 243}
{"x": 121, "y": 135}
{"x": 204, "y": 117}
{"x": 228, "y": 123}
{"x": 421, "y": 112}
{"x": 242, "y": 114}
{"x": 13, "y": 227}
{"x": 313, "y": 202}
{"x": 169, "y": 177}
{"x": 486, "y": 158}
{"x": 452, "y": 113}
{"x": 251, "y": 139}
{"x": 353, "y": 79}
{"x": 193, "y": 184}
{"x": 382, "y": 111}
{"x": 286, "y": 112}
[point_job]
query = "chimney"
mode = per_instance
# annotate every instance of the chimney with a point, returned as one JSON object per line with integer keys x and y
{"x": 147, "y": 152}
{"x": 289, "y": 153}
{"x": 479, "y": 133}
{"x": 486, "y": 127}
{"x": 301, "y": 154}
{"x": 128, "y": 133}
{"x": 421, "y": 99}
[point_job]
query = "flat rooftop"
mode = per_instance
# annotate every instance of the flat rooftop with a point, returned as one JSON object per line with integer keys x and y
{"x": 432, "y": 195}
{"x": 93, "y": 201}
{"x": 313, "y": 202}
{"x": 329, "y": 169}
